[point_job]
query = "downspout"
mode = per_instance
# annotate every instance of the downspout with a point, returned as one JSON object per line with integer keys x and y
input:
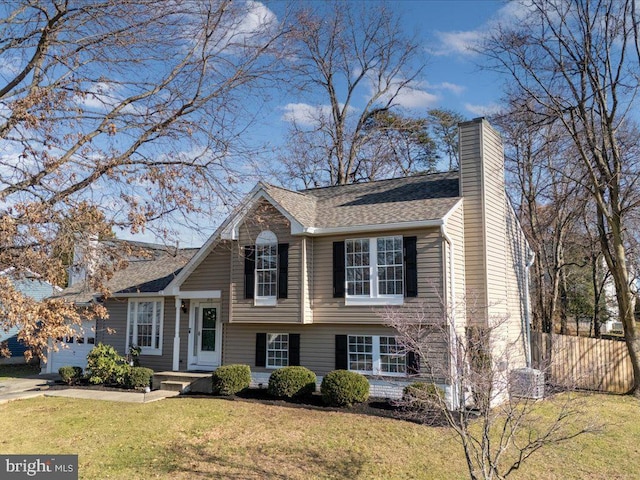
{"x": 527, "y": 309}
{"x": 455, "y": 393}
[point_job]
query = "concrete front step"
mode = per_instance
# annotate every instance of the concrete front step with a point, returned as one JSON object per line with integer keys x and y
{"x": 182, "y": 381}
{"x": 173, "y": 386}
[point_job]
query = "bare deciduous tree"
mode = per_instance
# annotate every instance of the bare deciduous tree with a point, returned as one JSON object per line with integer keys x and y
{"x": 576, "y": 64}
{"x": 345, "y": 53}
{"x": 541, "y": 171}
{"x": 114, "y": 114}
{"x": 497, "y": 417}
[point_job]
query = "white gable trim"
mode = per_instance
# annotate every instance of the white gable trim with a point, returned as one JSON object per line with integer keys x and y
{"x": 230, "y": 232}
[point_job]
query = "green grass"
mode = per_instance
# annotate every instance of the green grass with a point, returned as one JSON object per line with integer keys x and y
{"x": 187, "y": 438}
{"x": 18, "y": 371}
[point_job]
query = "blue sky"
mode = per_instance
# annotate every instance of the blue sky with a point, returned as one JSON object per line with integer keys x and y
{"x": 446, "y": 28}
{"x": 453, "y": 78}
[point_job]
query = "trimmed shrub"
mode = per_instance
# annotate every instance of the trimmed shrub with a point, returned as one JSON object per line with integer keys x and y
{"x": 106, "y": 365}
{"x": 290, "y": 382}
{"x": 138, "y": 377}
{"x": 420, "y": 396}
{"x": 344, "y": 388}
{"x": 70, "y": 375}
{"x": 230, "y": 379}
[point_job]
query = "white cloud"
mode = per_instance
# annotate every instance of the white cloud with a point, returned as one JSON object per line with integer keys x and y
{"x": 100, "y": 95}
{"x": 413, "y": 95}
{"x": 305, "y": 115}
{"x": 244, "y": 25}
{"x": 415, "y": 98}
{"x": 452, "y": 87}
{"x": 465, "y": 42}
{"x": 483, "y": 110}
{"x": 460, "y": 42}
{"x": 257, "y": 19}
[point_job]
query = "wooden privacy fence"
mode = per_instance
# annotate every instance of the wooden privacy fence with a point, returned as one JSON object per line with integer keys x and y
{"x": 579, "y": 362}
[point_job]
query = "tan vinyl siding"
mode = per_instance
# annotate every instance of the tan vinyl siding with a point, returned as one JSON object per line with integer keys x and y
{"x": 471, "y": 190}
{"x": 317, "y": 344}
{"x": 113, "y": 330}
{"x": 327, "y": 309}
{"x": 266, "y": 217}
{"x": 495, "y": 223}
{"x": 516, "y": 277}
{"x": 455, "y": 229}
{"x": 118, "y": 309}
{"x": 495, "y": 248}
{"x": 213, "y": 274}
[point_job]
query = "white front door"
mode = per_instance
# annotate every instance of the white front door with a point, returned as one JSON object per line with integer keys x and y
{"x": 208, "y": 334}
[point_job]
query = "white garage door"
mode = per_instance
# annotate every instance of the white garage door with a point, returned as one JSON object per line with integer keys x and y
{"x": 73, "y": 351}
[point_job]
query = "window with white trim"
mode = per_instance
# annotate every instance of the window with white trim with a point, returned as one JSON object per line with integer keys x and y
{"x": 376, "y": 355}
{"x": 277, "y": 350}
{"x": 144, "y": 326}
{"x": 266, "y": 268}
{"x": 374, "y": 269}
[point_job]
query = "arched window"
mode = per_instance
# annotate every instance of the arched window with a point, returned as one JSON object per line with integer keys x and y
{"x": 266, "y": 270}
{"x": 266, "y": 266}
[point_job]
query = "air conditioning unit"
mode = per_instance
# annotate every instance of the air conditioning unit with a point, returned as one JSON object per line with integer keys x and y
{"x": 527, "y": 383}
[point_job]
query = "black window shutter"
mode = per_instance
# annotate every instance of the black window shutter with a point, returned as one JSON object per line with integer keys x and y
{"x": 413, "y": 363}
{"x": 338, "y": 269}
{"x": 283, "y": 270}
{"x": 294, "y": 349}
{"x": 410, "y": 266}
{"x": 341, "y": 352}
{"x": 249, "y": 270}
{"x": 261, "y": 349}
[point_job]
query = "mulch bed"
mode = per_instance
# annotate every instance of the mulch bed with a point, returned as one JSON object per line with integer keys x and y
{"x": 377, "y": 407}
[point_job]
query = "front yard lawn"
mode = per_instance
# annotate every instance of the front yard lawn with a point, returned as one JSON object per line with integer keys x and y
{"x": 185, "y": 438}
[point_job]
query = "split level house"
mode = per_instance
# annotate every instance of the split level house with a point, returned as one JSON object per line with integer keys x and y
{"x": 300, "y": 278}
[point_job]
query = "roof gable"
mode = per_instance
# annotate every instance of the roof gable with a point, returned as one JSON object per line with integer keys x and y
{"x": 421, "y": 200}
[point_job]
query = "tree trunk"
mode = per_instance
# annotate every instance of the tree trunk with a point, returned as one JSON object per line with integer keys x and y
{"x": 615, "y": 256}
{"x": 563, "y": 302}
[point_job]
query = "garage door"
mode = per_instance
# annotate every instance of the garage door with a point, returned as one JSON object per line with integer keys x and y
{"x": 73, "y": 351}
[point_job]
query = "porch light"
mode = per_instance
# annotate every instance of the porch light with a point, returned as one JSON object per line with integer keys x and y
{"x": 183, "y": 307}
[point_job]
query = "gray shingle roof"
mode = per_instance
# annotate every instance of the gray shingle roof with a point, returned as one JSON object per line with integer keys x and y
{"x": 142, "y": 275}
{"x": 417, "y": 198}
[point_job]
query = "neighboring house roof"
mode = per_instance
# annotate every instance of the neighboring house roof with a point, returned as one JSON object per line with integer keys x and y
{"x": 142, "y": 275}
{"x": 31, "y": 285}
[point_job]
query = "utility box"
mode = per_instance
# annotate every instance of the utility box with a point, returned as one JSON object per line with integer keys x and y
{"x": 527, "y": 383}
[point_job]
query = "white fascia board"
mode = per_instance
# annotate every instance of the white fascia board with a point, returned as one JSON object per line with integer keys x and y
{"x": 374, "y": 228}
{"x": 231, "y": 232}
{"x": 161, "y": 293}
{"x": 198, "y": 294}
